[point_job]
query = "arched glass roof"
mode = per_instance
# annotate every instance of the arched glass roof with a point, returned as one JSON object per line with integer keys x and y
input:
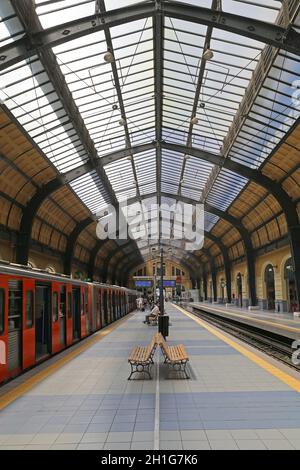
{"x": 129, "y": 108}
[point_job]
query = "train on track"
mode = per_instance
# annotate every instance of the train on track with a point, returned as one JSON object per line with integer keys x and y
{"x": 42, "y": 314}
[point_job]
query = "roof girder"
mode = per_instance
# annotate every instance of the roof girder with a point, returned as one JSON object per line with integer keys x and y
{"x": 278, "y": 36}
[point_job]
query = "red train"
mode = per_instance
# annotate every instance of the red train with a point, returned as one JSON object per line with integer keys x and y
{"x": 42, "y": 314}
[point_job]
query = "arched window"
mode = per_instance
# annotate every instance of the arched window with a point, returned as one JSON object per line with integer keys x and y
{"x": 289, "y": 270}
{"x": 289, "y": 276}
{"x": 270, "y": 287}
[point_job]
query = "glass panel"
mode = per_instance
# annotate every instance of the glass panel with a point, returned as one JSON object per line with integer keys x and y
{"x": 29, "y": 309}
{"x": 15, "y": 306}
{"x": 55, "y": 307}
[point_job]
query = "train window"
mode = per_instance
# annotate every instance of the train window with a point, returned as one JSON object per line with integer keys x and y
{"x": 14, "y": 305}
{"x": 55, "y": 307}
{"x": 69, "y": 305}
{"x": 29, "y": 309}
{"x": 2, "y": 310}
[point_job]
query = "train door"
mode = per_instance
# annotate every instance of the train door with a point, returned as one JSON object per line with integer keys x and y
{"x": 110, "y": 306}
{"x": 98, "y": 307}
{"x": 3, "y": 328}
{"x": 105, "y": 308}
{"x": 63, "y": 317}
{"x": 69, "y": 318}
{"x": 84, "y": 312}
{"x": 76, "y": 313}
{"x": 113, "y": 306}
{"x": 91, "y": 310}
{"x": 55, "y": 317}
{"x": 28, "y": 334}
{"x": 42, "y": 321}
{"x": 102, "y": 307}
{"x": 123, "y": 304}
{"x": 14, "y": 359}
{"x": 118, "y": 303}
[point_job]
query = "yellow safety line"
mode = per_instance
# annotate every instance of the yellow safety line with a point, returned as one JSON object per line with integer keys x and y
{"x": 23, "y": 388}
{"x": 256, "y": 320}
{"x": 283, "y": 376}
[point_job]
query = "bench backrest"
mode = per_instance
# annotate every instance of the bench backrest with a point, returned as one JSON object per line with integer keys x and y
{"x": 162, "y": 343}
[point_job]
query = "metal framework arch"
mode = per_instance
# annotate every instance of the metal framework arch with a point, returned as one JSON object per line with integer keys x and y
{"x": 28, "y": 215}
{"x": 235, "y": 223}
{"x": 226, "y": 261}
{"x": 286, "y": 203}
{"x": 72, "y": 239}
{"x": 261, "y": 31}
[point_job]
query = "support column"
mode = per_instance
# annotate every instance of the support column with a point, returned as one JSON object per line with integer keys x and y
{"x": 205, "y": 285}
{"x": 294, "y": 236}
{"x": 251, "y": 277}
{"x": 214, "y": 281}
{"x": 228, "y": 281}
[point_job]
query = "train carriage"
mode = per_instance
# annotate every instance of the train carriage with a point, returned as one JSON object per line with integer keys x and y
{"x": 41, "y": 314}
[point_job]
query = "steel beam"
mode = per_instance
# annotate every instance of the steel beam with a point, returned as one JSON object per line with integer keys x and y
{"x": 273, "y": 187}
{"x": 25, "y": 10}
{"x": 281, "y": 37}
{"x": 294, "y": 237}
{"x": 158, "y": 25}
{"x": 72, "y": 239}
{"x": 205, "y": 284}
{"x": 213, "y": 272}
{"x": 28, "y": 215}
{"x": 111, "y": 255}
{"x": 226, "y": 261}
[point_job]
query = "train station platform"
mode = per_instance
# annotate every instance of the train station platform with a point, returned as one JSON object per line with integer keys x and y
{"x": 236, "y": 397}
{"x": 285, "y": 324}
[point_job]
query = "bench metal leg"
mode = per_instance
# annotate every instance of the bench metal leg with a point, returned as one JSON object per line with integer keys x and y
{"x": 139, "y": 368}
{"x": 179, "y": 367}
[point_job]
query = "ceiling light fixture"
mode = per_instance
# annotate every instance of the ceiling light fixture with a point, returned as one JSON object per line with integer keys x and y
{"x": 208, "y": 54}
{"x": 109, "y": 57}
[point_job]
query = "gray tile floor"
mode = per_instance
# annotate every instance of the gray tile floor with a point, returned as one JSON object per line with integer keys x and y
{"x": 229, "y": 403}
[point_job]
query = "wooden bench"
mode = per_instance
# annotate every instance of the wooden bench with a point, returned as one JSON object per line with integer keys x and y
{"x": 141, "y": 358}
{"x": 175, "y": 356}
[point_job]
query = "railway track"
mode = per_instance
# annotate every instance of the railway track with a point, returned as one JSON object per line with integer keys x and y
{"x": 273, "y": 344}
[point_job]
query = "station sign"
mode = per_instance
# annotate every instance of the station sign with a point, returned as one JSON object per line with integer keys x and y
{"x": 143, "y": 283}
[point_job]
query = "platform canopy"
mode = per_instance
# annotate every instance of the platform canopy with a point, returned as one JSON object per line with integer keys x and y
{"x": 156, "y": 101}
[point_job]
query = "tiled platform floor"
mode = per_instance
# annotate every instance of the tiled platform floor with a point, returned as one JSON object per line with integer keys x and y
{"x": 229, "y": 403}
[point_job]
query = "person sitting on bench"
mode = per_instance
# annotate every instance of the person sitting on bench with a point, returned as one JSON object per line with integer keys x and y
{"x": 152, "y": 315}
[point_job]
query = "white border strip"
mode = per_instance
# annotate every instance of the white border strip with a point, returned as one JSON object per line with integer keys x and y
{"x": 157, "y": 404}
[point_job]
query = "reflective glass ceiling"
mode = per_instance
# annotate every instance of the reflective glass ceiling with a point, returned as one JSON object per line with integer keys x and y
{"x": 118, "y": 101}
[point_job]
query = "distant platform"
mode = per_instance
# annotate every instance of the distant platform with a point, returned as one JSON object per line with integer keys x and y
{"x": 284, "y": 324}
